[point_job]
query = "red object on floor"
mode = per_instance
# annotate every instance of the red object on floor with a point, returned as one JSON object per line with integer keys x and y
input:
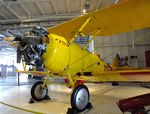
{"x": 137, "y": 102}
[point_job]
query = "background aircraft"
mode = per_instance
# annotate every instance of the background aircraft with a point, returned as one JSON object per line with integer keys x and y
{"x": 54, "y": 52}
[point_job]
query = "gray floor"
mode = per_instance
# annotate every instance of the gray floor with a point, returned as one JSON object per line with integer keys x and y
{"x": 103, "y": 97}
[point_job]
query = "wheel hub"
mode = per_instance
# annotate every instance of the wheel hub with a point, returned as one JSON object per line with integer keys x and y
{"x": 82, "y": 98}
{"x": 40, "y": 92}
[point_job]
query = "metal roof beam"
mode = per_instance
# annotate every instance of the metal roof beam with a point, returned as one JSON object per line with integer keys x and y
{"x": 98, "y": 4}
{"x": 68, "y": 8}
{"x": 81, "y": 6}
{"x": 25, "y": 9}
{"x": 26, "y": 26}
{"x": 39, "y": 7}
{"x": 3, "y": 16}
{"x": 54, "y": 8}
{"x": 38, "y": 19}
{"x": 116, "y": 1}
{"x": 24, "y": 1}
{"x": 12, "y": 11}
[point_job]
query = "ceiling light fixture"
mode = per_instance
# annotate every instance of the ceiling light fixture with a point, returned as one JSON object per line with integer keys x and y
{"x": 86, "y": 6}
{"x": 84, "y": 11}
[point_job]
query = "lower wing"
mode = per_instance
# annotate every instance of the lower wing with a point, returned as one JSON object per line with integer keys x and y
{"x": 36, "y": 73}
{"x": 121, "y": 76}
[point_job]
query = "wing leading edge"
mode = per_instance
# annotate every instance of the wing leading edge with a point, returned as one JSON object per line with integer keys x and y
{"x": 123, "y": 17}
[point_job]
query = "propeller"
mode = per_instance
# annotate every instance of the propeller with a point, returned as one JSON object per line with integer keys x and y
{"x": 2, "y": 37}
{"x": 30, "y": 45}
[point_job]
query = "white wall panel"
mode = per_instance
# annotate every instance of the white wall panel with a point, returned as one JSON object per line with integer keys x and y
{"x": 107, "y": 41}
{"x": 107, "y": 54}
{"x": 7, "y": 58}
{"x": 126, "y": 44}
{"x": 124, "y": 51}
{"x": 115, "y": 40}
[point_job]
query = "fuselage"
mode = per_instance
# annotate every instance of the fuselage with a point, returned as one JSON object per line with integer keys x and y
{"x": 60, "y": 56}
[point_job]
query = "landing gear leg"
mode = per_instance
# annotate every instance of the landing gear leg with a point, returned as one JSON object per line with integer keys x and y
{"x": 38, "y": 92}
{"x": 79, "y": 100}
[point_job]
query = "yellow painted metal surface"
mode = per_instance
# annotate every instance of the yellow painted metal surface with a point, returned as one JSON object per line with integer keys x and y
{"x": 65, "y": 59}
{"x": 61, "y": 56}
{"x": 36, "y": 73}
{"x": 57, "y": 54}
{"x": 141, "y": 75}
{"x": 126, "y": 16}
{"x": 69, "y": 59}
{"x": 84, "y": 61}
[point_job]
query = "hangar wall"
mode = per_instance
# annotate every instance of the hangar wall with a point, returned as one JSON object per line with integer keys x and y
{"x": 126, "y": 44}
{"x": 8, "y": 57}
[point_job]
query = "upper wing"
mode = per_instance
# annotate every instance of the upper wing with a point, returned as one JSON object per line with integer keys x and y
{"x": 127, "y": 16}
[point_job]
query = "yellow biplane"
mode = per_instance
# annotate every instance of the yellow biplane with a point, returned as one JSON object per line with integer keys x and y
{"x": 56, "y": 52}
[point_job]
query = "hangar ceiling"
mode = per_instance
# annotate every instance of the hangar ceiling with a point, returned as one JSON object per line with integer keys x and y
{"x": 28, "y": 13}
{"x": 21, "y": 15}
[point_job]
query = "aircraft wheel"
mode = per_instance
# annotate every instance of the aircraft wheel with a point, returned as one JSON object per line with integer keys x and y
{"x": 37, "y": 92}
{"x": 80, "y": 98}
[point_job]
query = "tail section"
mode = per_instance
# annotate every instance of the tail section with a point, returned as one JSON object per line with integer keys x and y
{"x": 116, "y": 62}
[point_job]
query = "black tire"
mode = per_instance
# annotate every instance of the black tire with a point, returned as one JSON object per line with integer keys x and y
{"x": 74, "y": 96}
{"x": 115, "y": 83}
{"x": 35, "y": 91}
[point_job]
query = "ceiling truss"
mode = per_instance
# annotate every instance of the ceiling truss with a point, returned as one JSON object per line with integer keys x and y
{"x": 58, "y": 12}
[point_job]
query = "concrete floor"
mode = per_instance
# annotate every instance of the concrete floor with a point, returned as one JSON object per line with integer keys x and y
{"x": 103, "y": 97}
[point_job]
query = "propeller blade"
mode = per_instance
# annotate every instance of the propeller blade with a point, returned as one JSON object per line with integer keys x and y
{"x": 14, "y": 44}
{"x": 9, "y": 39}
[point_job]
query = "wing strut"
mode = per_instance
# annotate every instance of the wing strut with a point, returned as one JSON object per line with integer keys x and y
{"x": 24, "y": 65}
{"x": 79, "y": 31}
{"x": 97, "y": 32}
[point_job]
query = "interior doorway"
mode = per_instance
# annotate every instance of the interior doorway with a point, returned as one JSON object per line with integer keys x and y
{"x": 147, "y": 57}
